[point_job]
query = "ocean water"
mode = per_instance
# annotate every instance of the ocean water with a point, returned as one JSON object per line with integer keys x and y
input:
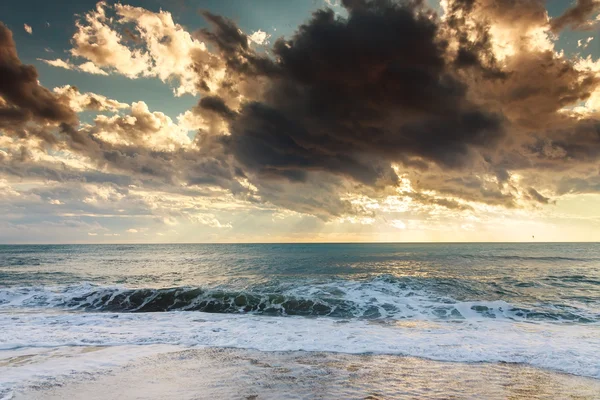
{"x": 532, "y": 304}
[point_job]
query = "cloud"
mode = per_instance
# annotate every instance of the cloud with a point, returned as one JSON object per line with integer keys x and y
{"x": 398, "y": 224}
{"x": 91, "y": 68}
{"x": 95, "y": 41}
{"x": 87, "y": 101}
{"x": 169, "y": 46}
{"x": 88, "y": 67}
{"x": 577, "y": 16}
{"x": 484, "y": 83}
{"x": 141, "y": 128}
{"x": 208, "y": 220}
{"x": 28, "y": 29}
{"x": 23, "y": 98}
{"x": 259, "y": 37}
{"x": 537, "y": 196}
{"x": 162, "y": 48}
{"x": 584, "y": 43}
{"x": 387, "y": 102}
{"x": 350, "y": 96}
{"x": 58, "y": 63}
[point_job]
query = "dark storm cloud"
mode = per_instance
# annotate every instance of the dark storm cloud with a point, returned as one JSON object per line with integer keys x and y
{"x": 577, "y": 16}
{"x": 393, "y": 83}
{"x": 316, "y": 197}
{"x": 233, "y": 47}
{"x": 225, "y": 33}
{"x": 538, "y": 86}
{"x": 535, "y": 195}
{"x": 473, "y": 188}
{"x": 327, "y": 111}
{"x": 217, "y": 105}
{"x": 352, "y": 95}
{"x": 575, "y": 143}
{"x": 442, "y": 202}
{"x": 12, "y": 116}
{"x": 20, "y": 89}
{"x": 576, "y": 185}
{"x": 473, "y": 39}
{"x": 534, "y": 83}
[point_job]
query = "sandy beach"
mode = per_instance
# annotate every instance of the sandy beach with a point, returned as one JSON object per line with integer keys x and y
{"x": 223, "y": 373}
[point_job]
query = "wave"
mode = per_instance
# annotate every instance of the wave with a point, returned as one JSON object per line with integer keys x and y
{"x": 571, "y": 348}
{"x": 382, "y": 315}
{"x": 573, "y": 279}
{"x": 379, "y": 298}
{"x": 540, "y": 258}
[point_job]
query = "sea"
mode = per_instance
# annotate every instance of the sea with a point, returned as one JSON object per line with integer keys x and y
{"x": 71, "y": 312}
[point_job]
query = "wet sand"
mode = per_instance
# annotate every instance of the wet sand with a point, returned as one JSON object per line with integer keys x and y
{"x": 214, "y": 373}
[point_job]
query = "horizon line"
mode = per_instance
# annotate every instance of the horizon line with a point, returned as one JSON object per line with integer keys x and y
{"x": 289, "y": 243}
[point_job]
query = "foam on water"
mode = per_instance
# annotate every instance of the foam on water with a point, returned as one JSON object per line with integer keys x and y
{"x": 378, "y": 298}
{"x": 45, "y": 367}
{"x": 562, "y": 347}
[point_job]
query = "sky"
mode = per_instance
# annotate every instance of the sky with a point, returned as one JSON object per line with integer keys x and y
{"x": 154, "y": 121}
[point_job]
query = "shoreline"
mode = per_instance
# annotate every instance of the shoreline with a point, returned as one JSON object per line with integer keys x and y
{"x": 252, "y": 374}
{"x": 558, "y": 347}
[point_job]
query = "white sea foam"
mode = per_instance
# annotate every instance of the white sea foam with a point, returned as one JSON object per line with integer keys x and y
{"x": 47, "y": 366}
{"x": 373, "y": 299}
{"x": 43, "y": 330}
{"x": 561, "y": 347}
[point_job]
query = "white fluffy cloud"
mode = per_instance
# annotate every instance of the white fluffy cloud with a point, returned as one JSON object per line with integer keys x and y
{"x": 141, "y": 127}
{"x": 91, "y": 68}
{"x": 208, "y": 220}
{"x": 259, "y": 37}
{"x": 169, "y": 46}
{"x": 584, "y": 43}
{"x": 98, "y": 43}
{"x": 88, "y": 67}
{"x": 58, "y": 63}
{"x": 87, "y": 101}
{"x": 163, "y": 49}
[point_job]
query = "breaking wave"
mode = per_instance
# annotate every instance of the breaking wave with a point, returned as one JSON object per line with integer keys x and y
{"x": 378, "y": 298}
